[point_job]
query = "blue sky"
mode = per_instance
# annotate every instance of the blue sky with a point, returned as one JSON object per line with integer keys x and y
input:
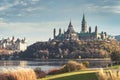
{"x": 35, "y": 19}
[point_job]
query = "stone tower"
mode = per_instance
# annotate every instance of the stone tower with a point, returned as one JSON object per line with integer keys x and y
{"x": 84, "y": 25}
{"x": 90, "y": 29}
{"x": 96, "y": 31}
{"x": 54, "y": 33}
{"x": 59, "y": 31}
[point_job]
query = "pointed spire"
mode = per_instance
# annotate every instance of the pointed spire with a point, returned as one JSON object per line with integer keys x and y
{"x": 84, "y": 24}
{"x": 70, "y": 28}
{"x": 83, "y": 17}
{"x": 70, "y": 24}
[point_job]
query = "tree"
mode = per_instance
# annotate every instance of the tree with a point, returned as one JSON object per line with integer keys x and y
{"x": 115, "y": 56}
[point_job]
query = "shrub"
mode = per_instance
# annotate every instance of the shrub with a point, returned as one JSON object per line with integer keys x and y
{"x": 17, "y": 74}
{"x": 115, "y": 56}
{"x": 39, "y": 73}
{"x": 109, "y": 75}
{"x": 86, "y": 63}
{"x": 70, "y": 66}
{"x": 73, "y": 66}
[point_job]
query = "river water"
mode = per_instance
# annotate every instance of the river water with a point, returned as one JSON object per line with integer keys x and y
{"x": 46, "y": 65}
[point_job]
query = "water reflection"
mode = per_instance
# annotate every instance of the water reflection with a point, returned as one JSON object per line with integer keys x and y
{"x": 48, "y": 64}
{"x": 13, "y": 63}
{"x": 44, "y": 65}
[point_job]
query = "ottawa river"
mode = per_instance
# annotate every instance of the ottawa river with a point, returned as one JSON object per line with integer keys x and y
{"x": 46, "y": 65}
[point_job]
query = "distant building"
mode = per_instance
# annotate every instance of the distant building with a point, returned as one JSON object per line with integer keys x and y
{"x": 12, "y": 44}
{"x": 70, "y": 33}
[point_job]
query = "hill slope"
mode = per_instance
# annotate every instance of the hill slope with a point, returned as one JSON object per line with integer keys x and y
{"x": 71, "y": 49}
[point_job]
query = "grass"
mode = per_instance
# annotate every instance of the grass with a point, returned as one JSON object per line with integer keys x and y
{"x": 79, "y": 75}
{"x": 109, "y": 75}
{"x": 87, "y": 76}
{"x": 115, "y": 67}
{"x": 99, "y": 74}
{"x": 17, "y": 74}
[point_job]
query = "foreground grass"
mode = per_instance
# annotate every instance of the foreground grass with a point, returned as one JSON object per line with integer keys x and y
{"x": 113, "y": 74}
{"x": 17, "y": 74}
{"x": 79, "y": 75}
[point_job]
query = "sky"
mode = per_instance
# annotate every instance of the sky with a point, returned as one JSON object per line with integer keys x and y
{"x": 36, "y": 19}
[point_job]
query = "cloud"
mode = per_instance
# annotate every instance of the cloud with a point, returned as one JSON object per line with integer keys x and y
{"x": 2, "y": 20}
{"x": 36, "y": 0}
{"x": 33, "y": 31}
{"x": 112, "y": 9}
{"x": 17, "y": 8}
{"x": 101, "y": 8}
{"x": 2, "y": 8}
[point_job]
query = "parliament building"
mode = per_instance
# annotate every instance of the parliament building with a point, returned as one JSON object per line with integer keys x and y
{"x": 84, "y": 34}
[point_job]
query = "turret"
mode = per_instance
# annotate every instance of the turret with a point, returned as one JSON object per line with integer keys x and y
{"x": 13, "y": 39}
{"x": 102, "y": 35}
{"x": 105, "y": 34}
{"x": 64, "y": 31}
{"x": 84, "y": 25}
{"x": 96, "y": 30}
{"x": 25, "y": 39}
{"x": 54, "y": 33}
{"x": 90, "y": 29}
{"x": 60, "y": 31}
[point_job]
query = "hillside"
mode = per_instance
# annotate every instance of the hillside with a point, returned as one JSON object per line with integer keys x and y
{"x": 71, "y": 49}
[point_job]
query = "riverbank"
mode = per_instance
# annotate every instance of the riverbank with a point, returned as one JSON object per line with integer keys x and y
{"x": 79, "y": 75}
{"x": 98, "y": 74}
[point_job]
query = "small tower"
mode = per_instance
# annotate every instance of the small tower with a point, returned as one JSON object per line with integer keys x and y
{"x": 90, "y": 29}
{"x": 96, "y": 31}
{"x": 25, "y": 39}
{"x": 84, "y": 25}
{"x": 102, "y": 35}
{"x": 13, "y": 39}
{"x": 54, "y": 33}
{"x": 105, "y": 33}
{"x": 59, "y": 31}
{"x": 64, "y": 31}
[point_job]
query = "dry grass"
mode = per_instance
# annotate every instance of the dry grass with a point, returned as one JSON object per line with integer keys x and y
{"x": 74, "y": 66}
{"x": 17, "y": 74}
{"x": 109, "y": 75}
{"x": 68, "y": 67}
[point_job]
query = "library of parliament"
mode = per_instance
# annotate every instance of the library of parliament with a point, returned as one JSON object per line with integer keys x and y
{"x": 71, "y": 34}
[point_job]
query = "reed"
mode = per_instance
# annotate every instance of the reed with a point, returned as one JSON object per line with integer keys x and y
{"x": 17, "y": 74}
{"x": 109, "y": 75}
